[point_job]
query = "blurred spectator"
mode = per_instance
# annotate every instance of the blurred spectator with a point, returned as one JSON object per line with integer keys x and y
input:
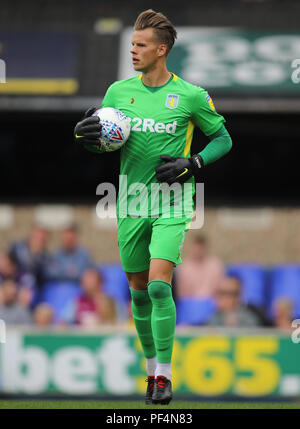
{"x": 8, "y": 269}
{"x": 283, "y": 315}
{"x": 69, "y": 263}
{"x": 200, "y": 273}
{"x": 24, "y": 283}
{"x": 11, "y": 310}
{"x": 261, "y": 315}
{"x": 231, "y": 312}
{"x": 43, "y": 315}
{"x": 30, "y": 255}
{"x": 93, "y": 307}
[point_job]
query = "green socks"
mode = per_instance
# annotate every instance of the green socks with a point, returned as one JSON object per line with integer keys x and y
{"x": 163, "y": 319}
{"x": 141, "y": 313}
{"x": 154, "y": 316}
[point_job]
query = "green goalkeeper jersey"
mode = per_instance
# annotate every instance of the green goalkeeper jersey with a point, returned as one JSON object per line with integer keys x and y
{"x": 162, "y": 123}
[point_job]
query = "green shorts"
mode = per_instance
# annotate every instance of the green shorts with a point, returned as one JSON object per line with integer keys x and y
{"x": 142, "y": 239}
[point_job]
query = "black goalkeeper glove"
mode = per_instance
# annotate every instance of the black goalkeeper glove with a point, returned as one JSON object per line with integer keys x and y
{"x": 178, "y": 170}
{"x": 88, "y": 130}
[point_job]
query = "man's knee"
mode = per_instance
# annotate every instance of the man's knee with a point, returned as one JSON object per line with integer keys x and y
{"x": 158, "y": 289}
{"x": 138, "y": 281}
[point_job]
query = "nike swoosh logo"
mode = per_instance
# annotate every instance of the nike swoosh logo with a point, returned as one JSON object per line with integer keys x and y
{"x": 78, "y": 137}
{"x": 181, "y": 174}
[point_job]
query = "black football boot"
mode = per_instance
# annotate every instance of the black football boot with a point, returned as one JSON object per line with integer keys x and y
{"x": 162, "y": 393}
{"x": 149, "y": 391}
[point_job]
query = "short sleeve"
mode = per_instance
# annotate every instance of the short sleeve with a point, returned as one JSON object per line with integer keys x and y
{"x": 204, "y": 113}
{"x": 109, "y": 99}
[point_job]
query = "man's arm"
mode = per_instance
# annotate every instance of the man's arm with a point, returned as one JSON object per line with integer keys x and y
{"x": 179, "y": 170}
{"x": 220, "y": 144}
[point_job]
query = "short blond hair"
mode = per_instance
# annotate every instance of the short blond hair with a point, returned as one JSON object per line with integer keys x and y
{"x": 163, "y": 28}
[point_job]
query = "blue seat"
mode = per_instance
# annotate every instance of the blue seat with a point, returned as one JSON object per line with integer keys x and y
{"x": 252, "y": 277}
{"x": 194, "y": 311}
{"x": 285, "y": 283}
{"x": 61, "y": 296}
{"x": 115, "y": 282}
{"x": 115, "y": 285}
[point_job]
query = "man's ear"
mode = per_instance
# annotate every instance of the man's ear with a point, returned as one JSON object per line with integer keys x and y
{"x": 162, "y": 49}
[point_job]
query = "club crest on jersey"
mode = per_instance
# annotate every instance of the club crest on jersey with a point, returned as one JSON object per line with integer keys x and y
{"x": 172, "y": 101}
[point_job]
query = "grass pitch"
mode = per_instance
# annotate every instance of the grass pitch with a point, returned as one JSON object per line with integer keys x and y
{"x": 96, "y": 405}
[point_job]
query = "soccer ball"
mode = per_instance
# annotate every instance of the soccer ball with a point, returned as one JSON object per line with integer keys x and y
{"x": 115, "y": 128}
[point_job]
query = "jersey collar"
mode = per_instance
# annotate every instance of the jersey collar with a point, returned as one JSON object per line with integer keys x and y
{"x": 175, "y": 77}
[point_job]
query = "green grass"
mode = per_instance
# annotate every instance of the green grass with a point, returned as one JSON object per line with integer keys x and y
{"x": 87, "y": 404}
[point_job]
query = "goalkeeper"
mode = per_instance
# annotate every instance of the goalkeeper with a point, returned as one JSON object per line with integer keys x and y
{"x": 164, "y": 110}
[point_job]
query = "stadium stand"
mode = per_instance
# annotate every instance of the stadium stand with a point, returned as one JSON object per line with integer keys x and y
{"x": 262, "y": 287}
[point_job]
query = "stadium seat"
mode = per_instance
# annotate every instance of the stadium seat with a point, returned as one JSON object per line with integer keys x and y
{"x": 285, "y": 283}
{"x": 61, "y": 296}
{"x": 194, "y": 311}
{"x": 116, "y": 286}
{"x": 253, "y": 278}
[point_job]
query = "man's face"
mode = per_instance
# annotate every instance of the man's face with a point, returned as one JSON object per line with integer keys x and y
{"x": 38, "y": 239}
{"x": 43, "y": 316}
{"x": 69, "y": 239}
{"x": 145, "y": 50}
{"x": 90, "y": 282}
{"x": 7, "y": 267}
{"x": 228, "y": 295}
{"x": 9, "y": 292}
